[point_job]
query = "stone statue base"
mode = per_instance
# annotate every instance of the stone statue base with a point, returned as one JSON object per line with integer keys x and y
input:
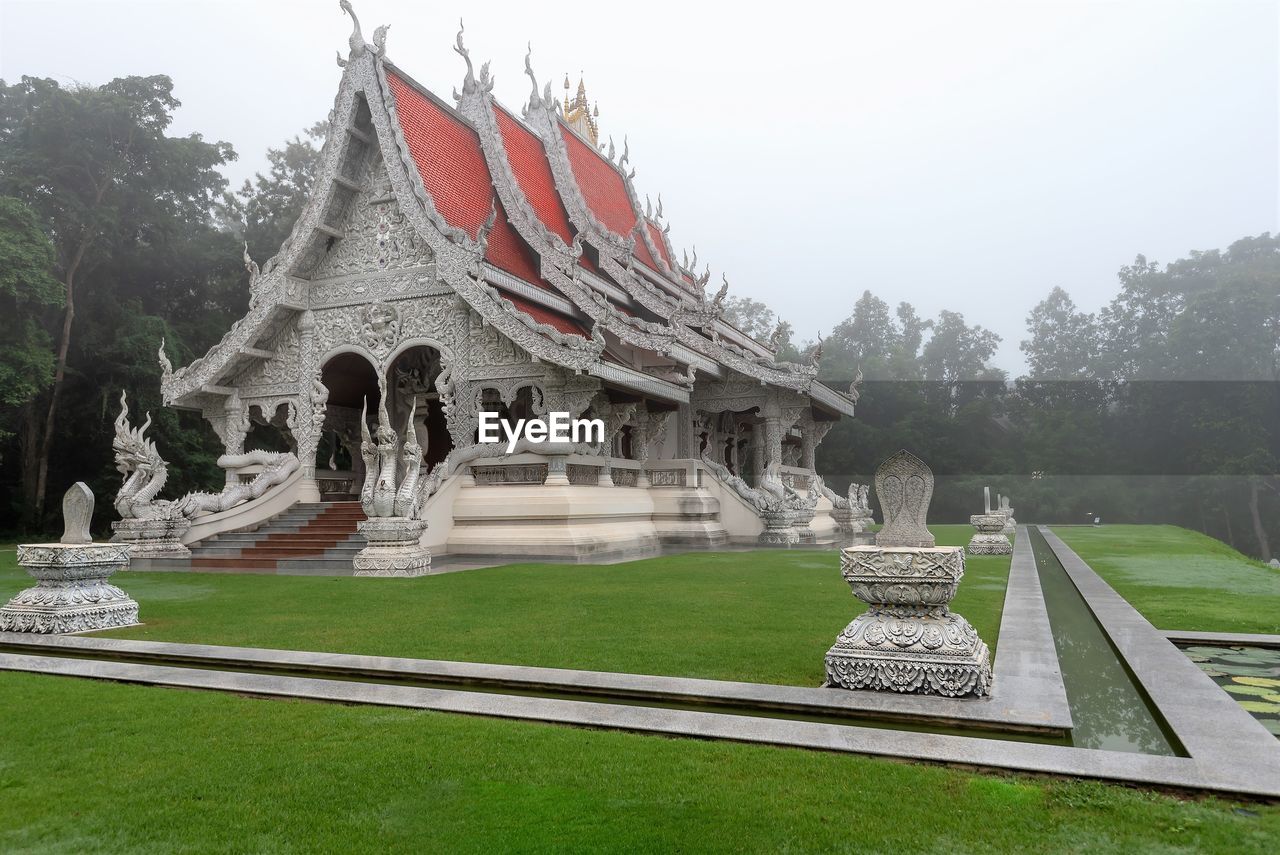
{"x": 908, "y": 640}
{"x": 1010, "y": 524}
{"x": 800, "y": 522}
{"x": 990, "y": 538}
{"x": 778, "y": 530}
{"x": 153, "y": 538}
{"x": 72, "y": 593}
{"x": 394, "y": 548}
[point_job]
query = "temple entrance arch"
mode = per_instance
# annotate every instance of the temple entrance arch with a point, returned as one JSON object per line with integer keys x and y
{"x": 411, "y": 384}
{"x": 352, "y": 381}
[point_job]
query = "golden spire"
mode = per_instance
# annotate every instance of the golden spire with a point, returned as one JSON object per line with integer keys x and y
{"x": 579, "y": 113}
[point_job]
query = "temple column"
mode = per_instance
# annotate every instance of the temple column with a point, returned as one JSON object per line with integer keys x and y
{"x": 811, "y": 436}
{"x": 234, "y": 429}
{"x": 757, "y": 452}
{"x": 808, "y": 445}
{"x": 312, "y": 400}
{"x": 772, "y": 442}
{"x": 641, "y": 435}
{"x": 687, "y": 433}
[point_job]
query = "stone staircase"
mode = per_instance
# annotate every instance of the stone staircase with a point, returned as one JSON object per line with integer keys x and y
{"x": 309, "y": 538}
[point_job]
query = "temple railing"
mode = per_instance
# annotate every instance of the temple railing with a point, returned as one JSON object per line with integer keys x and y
{"x": 584, "y": 470}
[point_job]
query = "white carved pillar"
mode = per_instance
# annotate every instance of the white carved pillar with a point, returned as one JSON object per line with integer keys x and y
{"x": 306, "y": 431}
{"x": 757, "y": 452}
{"x": 811, "y": 435}
{"x": 234, "y": 430}
{"x": 640, "y": 438}
{"x": 772, "y": 441}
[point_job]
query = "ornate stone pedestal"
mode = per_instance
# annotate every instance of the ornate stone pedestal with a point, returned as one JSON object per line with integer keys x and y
{"x": 394, "y": 548}
{"x": 908, "y": 640}
{"x": 1010, "y": 524}
{"x": 778, "y": 530}
{"x": 71, "y": 593}
{"x": 153, "y": 538}
{"x": 800, "y": 522}
{"x": 990, "y": 538}
{"x": 846, "y": 522}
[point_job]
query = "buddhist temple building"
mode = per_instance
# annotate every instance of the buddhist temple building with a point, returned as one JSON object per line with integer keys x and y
{"x": 457, "y": 256}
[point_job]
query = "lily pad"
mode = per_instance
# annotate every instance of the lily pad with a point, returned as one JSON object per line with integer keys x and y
{"x": 1260, "y": 707}
{"x": 1268, "y": 682}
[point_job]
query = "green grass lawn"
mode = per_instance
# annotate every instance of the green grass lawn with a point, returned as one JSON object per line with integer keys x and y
{"x": 99, "y": 767}
{"x": 1181, "y": 579}
{"x": 766, "y": 616}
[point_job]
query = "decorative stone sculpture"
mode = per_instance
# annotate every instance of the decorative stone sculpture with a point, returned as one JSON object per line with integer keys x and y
{"x": 990, "y": 538}
{"x": 154, "y": 527}
{"x": 1010, "y": 524}
{"x": 72, "y": 593}
{"x": 907, "y": 640}
{"x": 391, "y": 499}
{"x": 848, "y": 512}
{"x": 770, "y": 502}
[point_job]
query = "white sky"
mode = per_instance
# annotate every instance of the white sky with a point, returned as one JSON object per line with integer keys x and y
{"x": 965, "y": 156}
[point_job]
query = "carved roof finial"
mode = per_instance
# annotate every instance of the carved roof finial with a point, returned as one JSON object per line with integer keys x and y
{"x": 717, "y": 302}
{"x": 482, "y": 235}
{"x": 469, "y": 82}
{"x": 356, "y": 40}
{"x": 250, "y": 265}
{"x": 534, "y": 99}
{"x": 166, "y": 367}
{"x": 855, "y": 390}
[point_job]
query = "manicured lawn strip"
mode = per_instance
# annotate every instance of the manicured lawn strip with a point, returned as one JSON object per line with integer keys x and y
{"x": 1181, "y": 579}
{"x": 763, "y": 616}
{"x": 165, "y": 770}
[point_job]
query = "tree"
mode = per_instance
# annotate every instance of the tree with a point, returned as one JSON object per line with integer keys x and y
{"x": 97, "y": 167}
{"x": 1064, "y": 342}
{"x": 759, "y": 321}
{"x": 957, "y": 352}
{"x": 26, "y": 287}
{"x": 268, "y": 206}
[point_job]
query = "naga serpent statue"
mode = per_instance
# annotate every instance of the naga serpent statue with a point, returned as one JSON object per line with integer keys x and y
{"x": 145, "y": 473}
{"x": 390, "y": 484}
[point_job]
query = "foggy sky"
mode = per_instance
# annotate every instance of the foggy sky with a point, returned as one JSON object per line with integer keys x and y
{"x": 964, "y": 156}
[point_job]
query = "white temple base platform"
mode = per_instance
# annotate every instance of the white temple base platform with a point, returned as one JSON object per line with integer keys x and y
{"x": 562, "y": 522}
{"x": 72, "y": 593}
{"x": 687, "y": 517}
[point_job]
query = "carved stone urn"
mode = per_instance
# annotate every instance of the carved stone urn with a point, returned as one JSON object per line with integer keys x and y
{"x": 778, "y": 530}
{"x": 990, "y": 538}
{"x": 1010, "y": 524}
{"x": 908, "y": 640}
{"x": 72, "y": 593}
{"x": 800, "y": 519}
